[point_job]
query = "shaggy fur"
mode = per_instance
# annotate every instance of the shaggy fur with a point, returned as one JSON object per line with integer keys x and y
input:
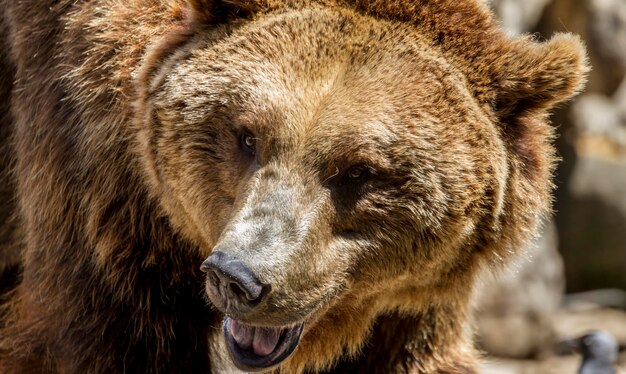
{"x": 122, "y": 133}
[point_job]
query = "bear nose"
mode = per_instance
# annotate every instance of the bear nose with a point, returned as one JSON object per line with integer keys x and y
{"x": 233, "y": 282}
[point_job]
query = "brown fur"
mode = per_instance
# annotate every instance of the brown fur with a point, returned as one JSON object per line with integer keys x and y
{"x": 9, "y": 244}
{"x": 127, "y": 174}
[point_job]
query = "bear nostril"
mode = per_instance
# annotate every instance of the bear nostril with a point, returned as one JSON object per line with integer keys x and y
{"x": 237, "y": 292}
{"x": 231, "y": 279}
{"x": 213, "y": 278}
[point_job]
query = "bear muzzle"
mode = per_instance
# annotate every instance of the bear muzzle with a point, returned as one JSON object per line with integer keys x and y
{"x": 237, "y": 291}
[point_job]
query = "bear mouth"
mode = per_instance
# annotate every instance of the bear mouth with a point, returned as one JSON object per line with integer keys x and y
{"x": 255, "y": 348}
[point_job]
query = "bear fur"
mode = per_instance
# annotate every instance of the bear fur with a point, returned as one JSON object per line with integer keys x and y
{"x": 121, "y": 139}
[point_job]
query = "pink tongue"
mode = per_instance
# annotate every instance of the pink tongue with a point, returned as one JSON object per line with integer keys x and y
{"x": 243, "y": 334}
{"x": 263, "y": 340}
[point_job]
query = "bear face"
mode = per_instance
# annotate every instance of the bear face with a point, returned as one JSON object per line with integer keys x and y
{"x": 356, "y": 168}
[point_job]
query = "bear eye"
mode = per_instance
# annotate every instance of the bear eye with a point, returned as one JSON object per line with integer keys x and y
{"x": 357, "y": 173}
{"x": 248, "y": 142}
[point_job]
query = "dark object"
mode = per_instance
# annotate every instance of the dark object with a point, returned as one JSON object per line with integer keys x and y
{"x": 599, "y": 351}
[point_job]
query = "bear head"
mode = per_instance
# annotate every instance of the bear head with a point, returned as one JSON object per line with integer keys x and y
{"x": 337, "y": 160}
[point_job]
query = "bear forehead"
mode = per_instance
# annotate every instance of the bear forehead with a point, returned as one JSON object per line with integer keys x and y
{"x": 319, "y": 71}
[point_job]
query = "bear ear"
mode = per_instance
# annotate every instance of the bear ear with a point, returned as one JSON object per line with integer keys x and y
{"x": 530, "y": 79}
{"x": 537, "y": 76}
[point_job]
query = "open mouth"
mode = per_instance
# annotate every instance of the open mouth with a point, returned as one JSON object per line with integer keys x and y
{"x": 254, "y": 348}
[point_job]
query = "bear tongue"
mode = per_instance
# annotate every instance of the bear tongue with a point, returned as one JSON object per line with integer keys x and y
{"x": 262, "y": 340}
{"x": 243, "y": 334}
{"x": 265, "y": 340}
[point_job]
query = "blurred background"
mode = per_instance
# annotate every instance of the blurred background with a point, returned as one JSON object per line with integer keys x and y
{"x": 572, "y": 282}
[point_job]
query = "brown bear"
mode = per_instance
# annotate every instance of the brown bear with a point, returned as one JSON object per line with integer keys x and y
{"x": 280, "y": 185}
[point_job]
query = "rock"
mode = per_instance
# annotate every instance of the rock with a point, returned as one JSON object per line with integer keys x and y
{"x": 514, "y": 309}
{"x": 610, "y": 297}
{"x": 608, "y": 28}
{"x": 600, "y": 125}
{"x": 593, "y": 221}
{"x": 599, "y": 116}
{"x": 601, "y": 179}
{"x": 550, "y": 365}
{"x": 568, "y": 323}
{"x": 519, "y": 16}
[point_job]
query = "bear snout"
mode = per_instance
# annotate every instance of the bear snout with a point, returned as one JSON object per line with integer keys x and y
{"x": 232, "y": 286}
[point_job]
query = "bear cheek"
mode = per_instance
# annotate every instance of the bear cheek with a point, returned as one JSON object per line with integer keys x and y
{"x": 201, "y": 183}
